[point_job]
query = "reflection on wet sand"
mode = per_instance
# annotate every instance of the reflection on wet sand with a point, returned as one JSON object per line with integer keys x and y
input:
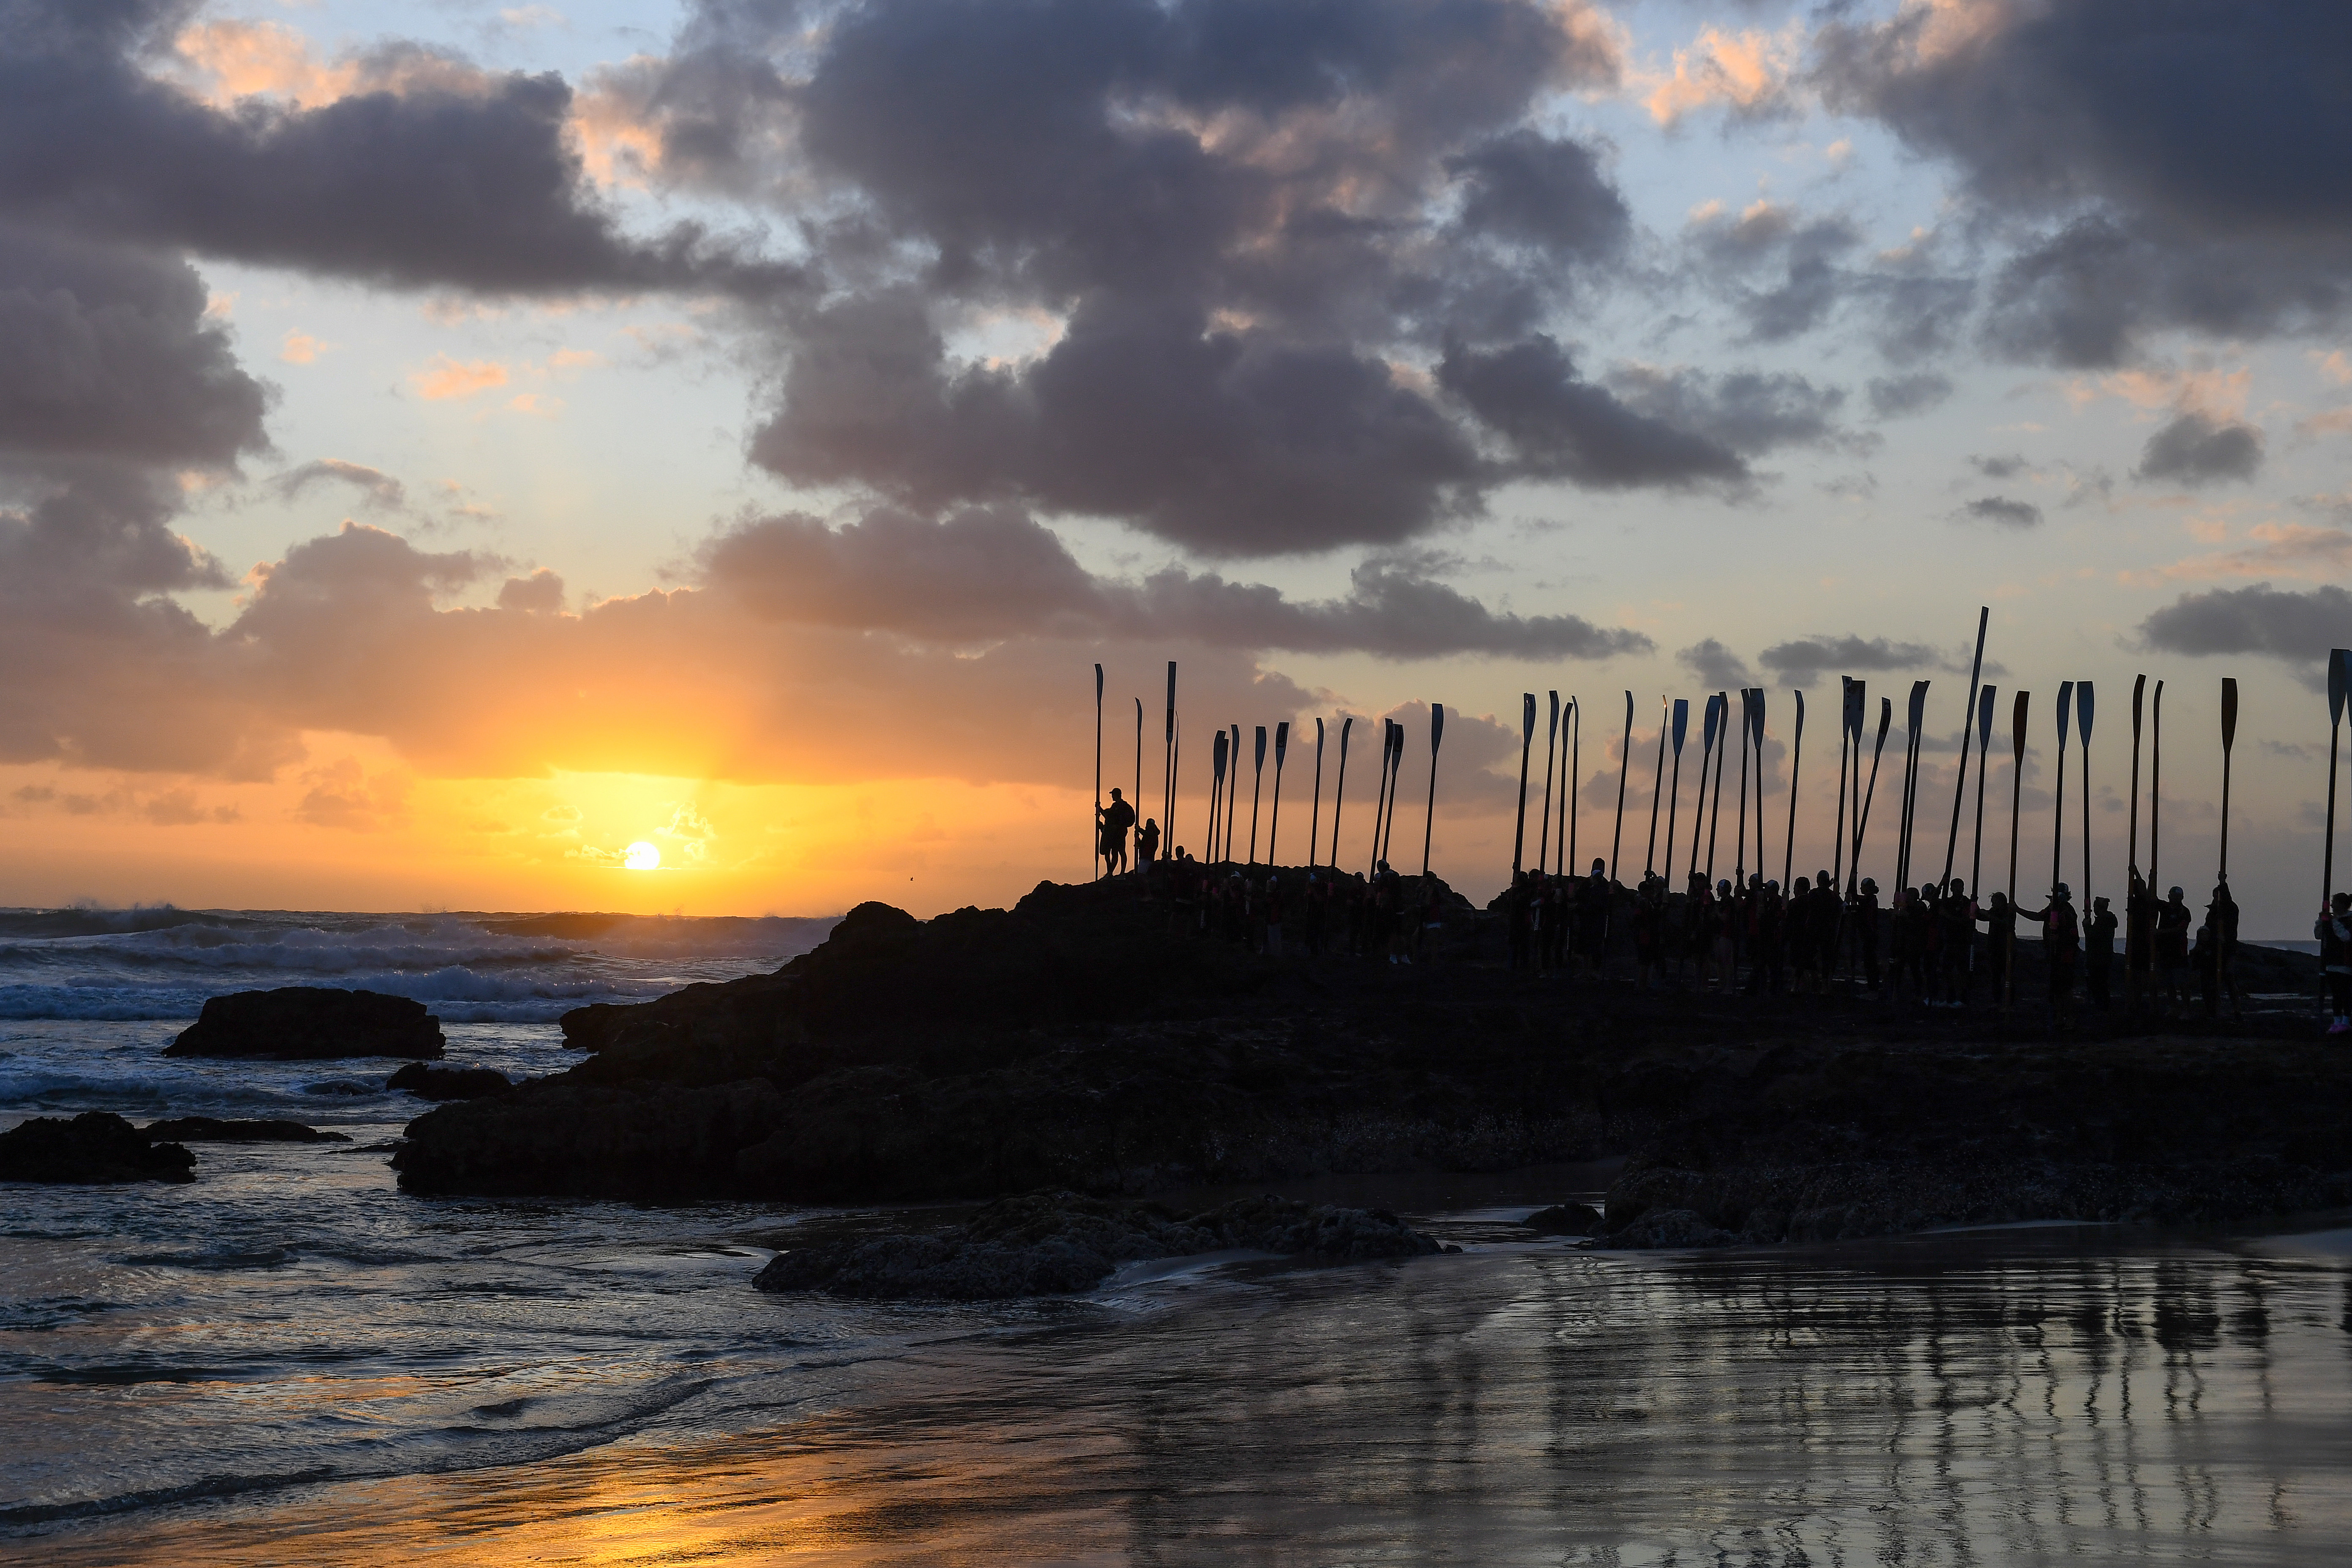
{"x": 2007, "y": 1398}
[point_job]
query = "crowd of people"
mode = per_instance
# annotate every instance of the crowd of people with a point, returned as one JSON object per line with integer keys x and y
{"x": 1934, "y": 944}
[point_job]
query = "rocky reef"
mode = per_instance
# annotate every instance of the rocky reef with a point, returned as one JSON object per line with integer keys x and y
{"x": 213, "y": 1130}
{"x": 310, "y": 1023}
{"x": 95, "y": 1147}
{"x": 448, "y": 1083}
{"x": 1087, "y": 1040}
{"x": 1053, "y": 1243}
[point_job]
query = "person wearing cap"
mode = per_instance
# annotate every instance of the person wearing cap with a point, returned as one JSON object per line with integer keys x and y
{"x": 2334, "y": 930}
{"x": 2061, "y": 944}
{"x": 2173, "y": 923}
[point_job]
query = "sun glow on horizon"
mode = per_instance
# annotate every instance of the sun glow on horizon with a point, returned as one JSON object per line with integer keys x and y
{"x": 643, "y": 857}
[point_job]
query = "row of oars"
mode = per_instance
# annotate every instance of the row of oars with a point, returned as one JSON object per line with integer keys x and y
{"x": 1556, "y": 850}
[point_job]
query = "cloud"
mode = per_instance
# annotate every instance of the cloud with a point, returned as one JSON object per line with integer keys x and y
{"x": 1557, "y": 425}
{"x": 1811, "y": 285}
{"x": 1894, "y": 398}
{"x": 1802, "y": 662}
{"x": 446, "y": 378}
{"x": 2289, "y": 549}
{"x": 2176, "y": 157}
{"x": 542, "y": 593}
{"x": 987, "y": 572}
{"x": 376, "y": 487}
{"x": 2297, "y": 629}
{"x": 2199, "y": 449}
{"x": 1747, "y": 411}
{"x": 424, "y": 173}
{"x": 2003, "y": 511}
{"x": 1543, "y": 192}
{"x": 2000, "y": 467}
{"x": 1747, "y": 71}
{"x": 109, "y": 353}
{"x": 1716, "y": 666}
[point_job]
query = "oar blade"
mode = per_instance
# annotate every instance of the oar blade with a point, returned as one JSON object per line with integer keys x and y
{"x": 2229, "y": 711}
{"x": 1984, "y": 718}
{"x": 1682, "y": 723}
{"x": 2017, "y": 714}
{"x": 2065, "y": 708}
{"x": 2336, "y": 674}
{"x": 2083, "y": 709}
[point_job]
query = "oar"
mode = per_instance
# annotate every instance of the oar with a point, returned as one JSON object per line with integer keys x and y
{"x": 1396, "y": 772}
{"x": 2058, "y": 800}
{"x": 1739, "y": 842}
{"x": 2018, "y": 711}
{"x": 1789, "y": 849}
{"x": 2229, "y": 738}
{"x": 1708, "y": 723}
{"x": 1849, "y": 732}
{"x": 2154, "y": 784}
{"x": 1257, "y": 780}
{"x": 1233, "y": 795}
{"x": 1315, "y": 815}
{"x": 1167, "y": 769}
{"x": 2083, "y": 722}
{"x": 1657, "y": 778}
{"x": 1139, "y": 769}
{"x": 2336, "y": 657}
{"x": 1217, "y": 758}
{"x": 1959, "y": 788}
{"x": 1436, "y": 737}
{"x": 1527, "y": 741}
{"x": 1984, "y": 742}
{"x": 1624, "y": 763}
{"x": 1274, "y": 829}
{"x": 1915, "y": 756}
{"x": 1569, "y": 783}
{"x": 1175, "y": 772}
{"x": 1339, "y": 789}
{"x": 1098, "y": 690}
{"x": 1380, "y": 790}
{"x": 1722, "y": 754}
{"x": 1862, "y": 813}
{"x": 1762, "y": 859}
{"x": 1675, "y": 790}
{"x": 1543, "y": 828}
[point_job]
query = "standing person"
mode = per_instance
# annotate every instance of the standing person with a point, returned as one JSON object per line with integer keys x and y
{"x": 2222, "y": 913}
{"x": 2139, "y": 944}
{"x": 2000, "y": 940}
{"x": 2334, "y": 930}
{"x": 1593, "y": 919}
{"x": 2062, "y": 939}
{"x": 1519, "y": 920}
{"x": 1147, "y": 845}
{"x": 1863, "y": 913}
{"x": 1272, "y": 902}
{"x": 1113, "y": 820}
{"x": 2205, "y": 958}
{"x": 2172, "y": 924}
{"x": 2099, "y": 951}
{"x": 1958, "y": 941}
{"x": 1723, "y": 914}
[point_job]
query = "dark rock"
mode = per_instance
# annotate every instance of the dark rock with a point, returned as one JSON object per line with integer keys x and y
{"x": 1565, "y": 1219}
{"x": 1057, "y": 1243}
{"x": 340, "y": 1086}
{"x": 212, "y": 1129}
{"x": 1669, "y": 1228}
{"x": 310, "y": 1023}
{"x": 448, "y": 1083}
{"x": 658, "y": 1141}
{"x": 96, "y": 1146}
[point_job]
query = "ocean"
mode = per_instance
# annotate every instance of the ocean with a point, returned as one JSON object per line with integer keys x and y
{"x": 290, "y": 1360}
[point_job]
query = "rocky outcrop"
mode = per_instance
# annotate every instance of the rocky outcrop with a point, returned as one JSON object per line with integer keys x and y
{"x": 1057, "y": 1243}
{"x": 96, "y": 1146}
{"x": 212, "y": 1129}
{"x": 311, "y": 1023}
{"x": 1565, "y": 1219}
{"x": 448, "y": 1083}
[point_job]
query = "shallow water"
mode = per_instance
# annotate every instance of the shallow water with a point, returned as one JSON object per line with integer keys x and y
{"x": 291, "y": 1361}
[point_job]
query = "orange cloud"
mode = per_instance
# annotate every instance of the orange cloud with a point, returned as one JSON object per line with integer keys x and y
{"x": 447, "y": 378}
{"x": 1747, "y": 70}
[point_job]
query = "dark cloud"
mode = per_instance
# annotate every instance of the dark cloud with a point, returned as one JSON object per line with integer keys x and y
{"x": 459, "y": 179}
{"x": 376, "y": 487}
{"x": 1535, "y": 190}
{"x": 2184, "y": 153}
{"x": 2003, "y": 511}
{"x": 106, "y": 351}
{"x": 1804, "y": 660}
{"x": 1895, "y": 397}
{"x": 987, "y": 572}
{"x": 1229, "y": 443}
{"x": 1560, "y": 427}
{"x": 1805, "y": 255}
{"x": 2297, "y": 627}
{"x": 2198, "y": 449}
{"x": 1745, "y": 411}
{"x": 1717, "y": 668}
{"x": 2006, "y": 467}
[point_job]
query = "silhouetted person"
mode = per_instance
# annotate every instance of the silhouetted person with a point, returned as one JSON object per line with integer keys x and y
{"x": 2061, "y": 941}
{"x": 2099, "y": 951}
{"x": 2140, "y": 907}
{"x": 2221, "y": 914}
{"x": 1113, "y": 820}
{"x": 1862, "y": 912}
{"x": 1147, "y": 845}
{"x": 2173, "y": 920}
{"x": 2334, "y": 930}
{"x": 2205, "y": 958}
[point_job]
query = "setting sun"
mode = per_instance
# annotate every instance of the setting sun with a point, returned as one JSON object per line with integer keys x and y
{"x": 643, "y": 857}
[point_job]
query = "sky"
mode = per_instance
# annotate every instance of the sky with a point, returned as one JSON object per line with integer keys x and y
{"x": 443, "y": 445}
